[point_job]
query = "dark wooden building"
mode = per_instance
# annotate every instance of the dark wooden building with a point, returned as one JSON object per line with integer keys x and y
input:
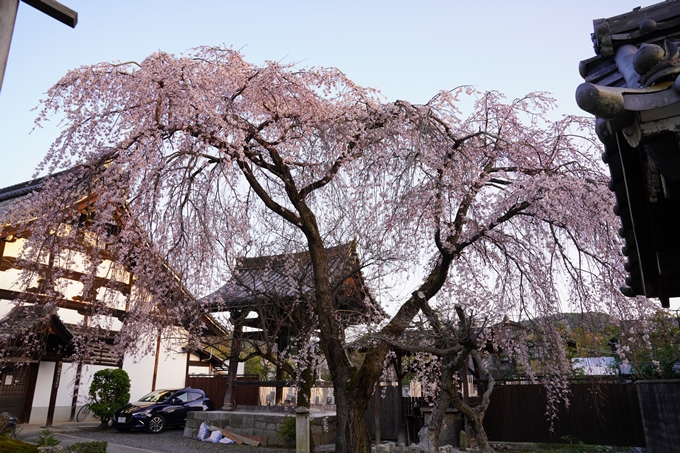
{"x": 271, "y": 297}
{"x": 632, "y": 88}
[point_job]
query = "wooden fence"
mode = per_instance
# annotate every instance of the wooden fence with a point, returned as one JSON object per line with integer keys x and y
{"x": 600, "y": 413}
{"x": 388, "y": 401}
{"x": 216, "y": 386}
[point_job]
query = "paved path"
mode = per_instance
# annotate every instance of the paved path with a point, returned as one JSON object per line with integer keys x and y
{"x": 169, "y": 441}
{"x": 70, "y": 433}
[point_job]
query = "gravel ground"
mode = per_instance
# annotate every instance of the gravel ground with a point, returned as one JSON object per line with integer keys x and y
{"x": 172, "y": 441}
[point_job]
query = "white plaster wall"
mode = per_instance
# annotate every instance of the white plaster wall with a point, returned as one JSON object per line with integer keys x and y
{"x": 140, "y": 371}
{"x": 9, "y": 278}
{"x": 73, "y": 260}
{"x": 171, "y": 372}
{"x": 66, "y": 382}
{"x": 112, "y": 298}
{"x": 13, "y": 248}
{"x": 111, "y": 270}
{"x": 172, "y": 365}
{"x": 5, "y": 307}
{"x": 199, "y": 370}
{"x": 69, "y": 316}
{"x": 43, "y": 385}
{"x": 68, "y": 288}
{"x": 105, "y": 322}
{"x": 41, "y": 397}
{"x": 62, "y": 410}
{"x": 86, "y": 380}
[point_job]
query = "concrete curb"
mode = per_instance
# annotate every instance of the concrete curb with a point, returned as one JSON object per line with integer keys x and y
{"x": 27, "y": 430}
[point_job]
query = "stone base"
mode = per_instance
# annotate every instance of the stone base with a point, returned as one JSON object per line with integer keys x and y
{"x": 259, "y": 423}
{"x": 391, "y": 447}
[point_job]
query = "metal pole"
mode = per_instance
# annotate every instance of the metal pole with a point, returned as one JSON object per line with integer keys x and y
{"x": 8, "y": 15}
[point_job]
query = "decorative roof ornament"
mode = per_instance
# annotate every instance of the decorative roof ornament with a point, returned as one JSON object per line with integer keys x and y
{"x": 632, "y": 88}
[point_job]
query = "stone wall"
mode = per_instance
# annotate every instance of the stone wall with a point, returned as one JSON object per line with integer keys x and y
{"x": 260, "y": 423}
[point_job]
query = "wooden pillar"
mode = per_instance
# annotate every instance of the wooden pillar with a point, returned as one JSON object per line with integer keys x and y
{"x": 281, "y": 344}
{"x": 79, "y": 373}
{"x": 279, "y": 390}
{"x": 463, "y": 372}
{"x": 155, "y": 365}
{"x": 30, "y": 393}
{"x": 401, "y": 422}
{"x": 376, "y": 412}
{"x": 237, "y": 321}
{"x": 186, "y": 372}
{"x": 76, "y": 391}
{"x": 3, "y": 241}
{"x": 53, "y": 395}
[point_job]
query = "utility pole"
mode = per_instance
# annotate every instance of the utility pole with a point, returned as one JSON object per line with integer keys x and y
{"x": 8, "y": 15}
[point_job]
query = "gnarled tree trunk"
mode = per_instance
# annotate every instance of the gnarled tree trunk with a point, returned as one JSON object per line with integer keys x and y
{"x": 476, "y": 415}
{"x": 431, "y": 430}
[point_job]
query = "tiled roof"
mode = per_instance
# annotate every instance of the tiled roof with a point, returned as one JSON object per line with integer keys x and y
{"x": 34, "y": 317}
{"x": 11, "y": 194}
{"x": 23, "y": 318}
{"x": 637, "y": 121}
{"x": 288, "y": 277}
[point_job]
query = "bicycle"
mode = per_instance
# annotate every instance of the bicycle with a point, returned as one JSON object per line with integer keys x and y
{"x": 83, "y": 413}
{"x": 8, "y": 424}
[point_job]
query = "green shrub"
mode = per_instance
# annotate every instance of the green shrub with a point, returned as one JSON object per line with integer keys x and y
{"x": 110, "y": 389}
{"x": 287, "y": 432}
{"x": 8, "y": 445}
{"x": 47, "y": 439}
{"x": 87, "y": 447}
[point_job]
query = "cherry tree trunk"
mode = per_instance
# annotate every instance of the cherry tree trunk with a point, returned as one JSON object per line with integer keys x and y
{"x": 475, "y": 417}
{"x": 352, "y": 430}
{"x": 305, "y": 384}
{"x": 480, "y": 434}
{"x": 430, "y": 432}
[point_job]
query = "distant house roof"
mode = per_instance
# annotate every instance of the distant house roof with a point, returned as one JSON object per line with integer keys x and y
{"x": 270, "y": 280}
{"x": 600, "y": 366}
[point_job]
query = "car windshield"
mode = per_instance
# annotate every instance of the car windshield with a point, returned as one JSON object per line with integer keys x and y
{"x": 159, "y": 396}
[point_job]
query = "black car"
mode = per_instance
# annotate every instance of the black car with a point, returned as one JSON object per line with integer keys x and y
{"x": 161, "y": 408}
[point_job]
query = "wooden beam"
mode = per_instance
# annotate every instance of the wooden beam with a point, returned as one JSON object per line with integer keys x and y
{"x": 248, "y": 382}
{"x": 8, "y": 14}
{"x": 10, "y": 262}
{"x": 83, "y": 308}
{"x": 56, "y": 10}
{"x": 282, "y": 383}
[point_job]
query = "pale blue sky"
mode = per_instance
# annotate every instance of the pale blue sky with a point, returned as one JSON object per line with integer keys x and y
{"x": 407, "y": 49}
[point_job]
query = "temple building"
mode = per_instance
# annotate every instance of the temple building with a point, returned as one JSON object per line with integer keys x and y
{"x": 632, "y": 88}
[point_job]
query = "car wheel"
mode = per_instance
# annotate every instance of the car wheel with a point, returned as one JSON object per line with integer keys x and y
{"x": 156, "y": 424}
